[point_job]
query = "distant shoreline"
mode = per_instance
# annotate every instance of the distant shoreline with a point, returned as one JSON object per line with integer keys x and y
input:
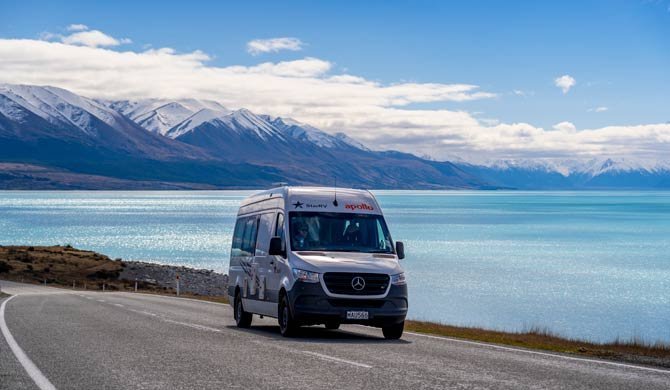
{"x": 61, "y": 266}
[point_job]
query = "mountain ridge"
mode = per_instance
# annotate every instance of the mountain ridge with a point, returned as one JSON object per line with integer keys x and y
{"x": 203, "y": 143}
{"x": 226, "y": 149}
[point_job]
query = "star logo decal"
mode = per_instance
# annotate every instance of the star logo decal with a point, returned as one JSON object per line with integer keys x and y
{"x": 298, "y": 205}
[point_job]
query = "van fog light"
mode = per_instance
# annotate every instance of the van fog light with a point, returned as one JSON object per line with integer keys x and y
{"x": 306, "y": 276}
{"x": 398, "y": 279}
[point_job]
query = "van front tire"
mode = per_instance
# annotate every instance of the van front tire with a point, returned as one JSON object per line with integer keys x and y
{"x": 287, "y": 325}
{"x": 393, "y": 332}
{"x": 242, "y": 318}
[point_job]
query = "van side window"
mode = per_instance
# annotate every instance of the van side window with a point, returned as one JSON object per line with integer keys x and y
{"x": 238, "y": 236}
{"x": 265, "y": 228}
{"x": 279, "y": 229}
{"x": 249, "y": 237}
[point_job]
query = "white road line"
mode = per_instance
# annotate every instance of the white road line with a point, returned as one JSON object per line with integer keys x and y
{"x": 187, "y": 324}
{"x": 179, "y": 299}
{"x": 579, "y": 359}
{"x": 191, "y": 325}
{"x": 35, "y": 374}
{"x": 148, "y": 313}
{"x": 100, "y": 300}
{"x": 335, "y": 359}
{"x": 118, "y": 305}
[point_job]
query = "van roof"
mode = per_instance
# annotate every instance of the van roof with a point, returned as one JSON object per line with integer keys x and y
{"x": 347, "y": 197}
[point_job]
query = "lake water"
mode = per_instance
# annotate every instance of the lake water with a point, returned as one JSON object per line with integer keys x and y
{"x": 592, "y": 265}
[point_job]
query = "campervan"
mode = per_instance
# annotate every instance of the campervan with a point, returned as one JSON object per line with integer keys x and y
{"x": 312, "y": 256}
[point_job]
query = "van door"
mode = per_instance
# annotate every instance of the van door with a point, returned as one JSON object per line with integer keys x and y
{"x": 242, "y": 256}
{"x": 259, "y": 300}
{"x": 278, "y": 264}
{"x": 261, "y": 253}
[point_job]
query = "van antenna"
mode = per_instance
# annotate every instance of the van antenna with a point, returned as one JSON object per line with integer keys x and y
{"x": 335, "y": 201}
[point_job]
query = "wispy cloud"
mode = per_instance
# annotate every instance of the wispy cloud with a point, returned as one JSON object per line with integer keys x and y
{"x": 93, "y": 38}
{"x": 598, "y": 109}
{"x": 383, "y": 115}
{"x": 77, "y": 27}
{"x": 520, "y": 92}
{"x": 259, "y": 46}
{"x": 565, "y": 82}
{"x": 81, "y": 35}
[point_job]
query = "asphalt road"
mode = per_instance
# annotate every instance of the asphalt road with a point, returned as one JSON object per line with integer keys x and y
{"x": 85, "y": 340}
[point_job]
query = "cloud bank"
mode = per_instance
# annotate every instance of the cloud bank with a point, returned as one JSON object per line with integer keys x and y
{"x": 383, "y": 116}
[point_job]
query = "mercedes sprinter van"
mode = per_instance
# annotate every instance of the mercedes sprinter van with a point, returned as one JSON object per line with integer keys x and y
{"x": 308, "y": 255}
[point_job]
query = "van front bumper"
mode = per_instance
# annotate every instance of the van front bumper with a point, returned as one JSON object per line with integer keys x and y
{"x": 311, "y": 305}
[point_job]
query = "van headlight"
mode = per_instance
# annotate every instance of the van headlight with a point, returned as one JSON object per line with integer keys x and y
{"x": 306, "y": 276}
{"x": 398, "y": 279}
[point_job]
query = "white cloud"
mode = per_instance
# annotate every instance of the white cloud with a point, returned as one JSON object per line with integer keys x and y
{"x": 565, "y": 82}
{"x": 567, "y": 127}
{"x": 310, "y": 90}
{"x": 598, "y": 109}
{"x": 81, "y": 35}
{"x": 77, "y": 27}
{"x": 93, "y": 38}
{"x": 259, "y": 46}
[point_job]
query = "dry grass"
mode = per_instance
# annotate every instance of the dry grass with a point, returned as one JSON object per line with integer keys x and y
{"x": 62, "y": 265}
{"x": 635, "y": 350}
{"x": 59, "y": 265}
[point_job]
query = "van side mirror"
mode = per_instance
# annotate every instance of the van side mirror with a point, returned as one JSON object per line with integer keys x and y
{"x": 400, "y": 249}
{"x": 276, "y": 247}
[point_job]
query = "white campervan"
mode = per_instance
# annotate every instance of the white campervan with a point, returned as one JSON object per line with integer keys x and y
{"x": 308, "y": 255}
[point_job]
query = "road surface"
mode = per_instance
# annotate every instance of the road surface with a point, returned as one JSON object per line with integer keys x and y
{"x": 55, "y": 338}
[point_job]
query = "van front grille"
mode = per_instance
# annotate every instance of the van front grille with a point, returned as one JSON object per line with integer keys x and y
{"x": 344, "y": 283}
{"x": 357, "y": 303}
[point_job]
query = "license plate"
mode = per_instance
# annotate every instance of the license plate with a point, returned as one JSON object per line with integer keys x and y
{"x": 357, "y": 315}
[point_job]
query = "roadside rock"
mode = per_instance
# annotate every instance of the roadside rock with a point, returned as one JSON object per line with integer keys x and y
{"x": 195, "y": 281}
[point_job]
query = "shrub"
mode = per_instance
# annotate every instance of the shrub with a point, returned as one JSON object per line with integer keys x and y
{"x": 104, "y": 274}
{"x": 5, "y": 267}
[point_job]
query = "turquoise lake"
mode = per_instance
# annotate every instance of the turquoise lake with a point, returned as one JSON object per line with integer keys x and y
{"x": 592, "y": 265}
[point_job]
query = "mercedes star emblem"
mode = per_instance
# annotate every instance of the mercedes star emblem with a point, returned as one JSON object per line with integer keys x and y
{"x": 358, "y": 283}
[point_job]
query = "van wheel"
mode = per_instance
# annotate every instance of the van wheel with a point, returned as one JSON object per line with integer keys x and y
{"x": 287, "y": 325}
{"x": 332, "y": 325}
{"x": 242, "y": 318}
{"x": 393, "y": 332}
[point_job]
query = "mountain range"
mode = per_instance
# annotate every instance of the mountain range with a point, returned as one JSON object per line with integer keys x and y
{"x": 51, "y": 138}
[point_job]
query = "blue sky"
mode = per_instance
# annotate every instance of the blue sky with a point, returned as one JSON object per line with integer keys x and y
{"x": 618, "y": 52}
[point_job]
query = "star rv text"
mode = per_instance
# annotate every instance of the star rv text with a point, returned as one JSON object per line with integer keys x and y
{"x": 309, "y": 256}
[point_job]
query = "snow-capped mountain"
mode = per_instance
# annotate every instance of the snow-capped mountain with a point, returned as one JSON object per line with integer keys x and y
{"x": 192, "y": 143}
{"x": 57, "y": 106}
{"x": 71, "y": 121}
{"x": 160, "y": 115}
{"x": 186, "y": 144}
{"x": 592, "y": 173}
{"x": 240, "y": 121}
{"x": 590, "y": 167}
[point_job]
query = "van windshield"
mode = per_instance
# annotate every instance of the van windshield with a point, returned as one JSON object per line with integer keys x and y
{"x": 339, "y": 232}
